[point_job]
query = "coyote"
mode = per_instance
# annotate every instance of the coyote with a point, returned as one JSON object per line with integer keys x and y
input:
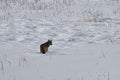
{"x": 44, "y": 47}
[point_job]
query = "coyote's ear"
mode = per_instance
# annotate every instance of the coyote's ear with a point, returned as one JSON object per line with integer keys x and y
{"x": 49, "y": 40}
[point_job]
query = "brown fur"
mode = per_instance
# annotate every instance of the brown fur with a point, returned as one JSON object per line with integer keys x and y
{"x": 44, "y": 47}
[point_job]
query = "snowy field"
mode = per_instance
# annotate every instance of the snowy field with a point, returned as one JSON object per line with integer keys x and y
{"x": 86, "y": 43}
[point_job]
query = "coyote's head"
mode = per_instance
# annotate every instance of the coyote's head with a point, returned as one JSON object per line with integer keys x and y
{"x": 50, "y": 42}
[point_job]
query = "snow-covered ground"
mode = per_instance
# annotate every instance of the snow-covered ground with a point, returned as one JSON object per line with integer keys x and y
{"x": 80, "y": 50}
{"x": 86, "y": 46}
{"x": 78, "y": 62}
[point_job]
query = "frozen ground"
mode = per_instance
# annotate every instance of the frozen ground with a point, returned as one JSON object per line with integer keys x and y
{"x": 78, "y": 62}
{"x": 86, "y": 41}
{"x": 80, "y": 50}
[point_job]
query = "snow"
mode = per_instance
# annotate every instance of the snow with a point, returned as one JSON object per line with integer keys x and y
{"x": 87, "y": 61}
{"x": 85, "y": 34}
